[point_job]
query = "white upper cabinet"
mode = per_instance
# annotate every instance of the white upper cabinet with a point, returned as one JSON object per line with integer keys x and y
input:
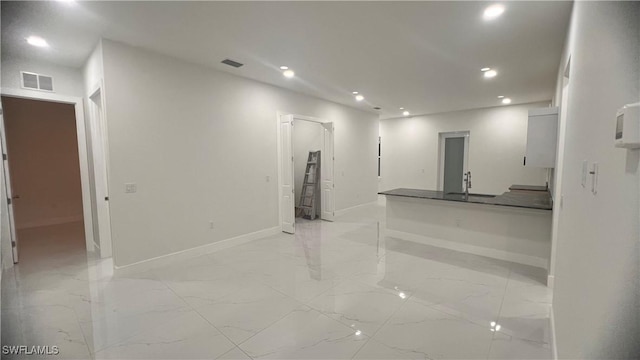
{"x": 542, "y": 136}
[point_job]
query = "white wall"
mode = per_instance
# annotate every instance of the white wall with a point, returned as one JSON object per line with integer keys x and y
{"x": 66, "y": 80}
{"x": 497, "y": 142}
{"x": 200, "y": 145}
{"x": 596, "y": 302}
{"x": 307, "y": 136}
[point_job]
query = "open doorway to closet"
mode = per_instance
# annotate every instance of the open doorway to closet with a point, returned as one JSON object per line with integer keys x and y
{"x": 43, "y": 173}
{"x": 294, "y": 166}
{"x": 307, "y": 155}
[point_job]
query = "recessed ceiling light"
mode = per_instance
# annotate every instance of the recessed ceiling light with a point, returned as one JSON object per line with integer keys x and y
{"x": 284, "y": 67}
{"x": 37, "y": 41}
{"x": 401, "y": 108}
{"x": 354, "y": 93}
{"x": 500, "y": 96}
{"x": 288, "y": 73}
{"x": 493, "y": 12}
{"x": 506, "y": 101}
{"x": 359, "y": 97}
{"x": 485, "y": 69}
{"x": 490, "y": 73}
{"x": 405, "y": 113}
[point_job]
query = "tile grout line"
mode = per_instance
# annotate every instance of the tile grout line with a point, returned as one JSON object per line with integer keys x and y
{"x": 383, "y": 325}
{"x": 504, "y": 295}
{"x": 205, "y": 319}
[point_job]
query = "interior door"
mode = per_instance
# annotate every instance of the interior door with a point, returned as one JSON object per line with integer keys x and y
{"x": 453, "y": 164}
{"x": 8, "y": 194}
{"x": 287, "y": 195}
{"x": 327, "y": 173}
{"x": 98, "y": 143}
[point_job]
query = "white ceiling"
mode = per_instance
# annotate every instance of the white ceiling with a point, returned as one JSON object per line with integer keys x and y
{"x": 424, "y": 56}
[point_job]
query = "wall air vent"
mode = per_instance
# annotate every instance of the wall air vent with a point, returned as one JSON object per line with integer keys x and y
{"x": 232, "y": 63}
{"x": 36, "y": 81}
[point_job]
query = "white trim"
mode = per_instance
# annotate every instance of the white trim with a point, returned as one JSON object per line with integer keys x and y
{"x": 182, "y": 255}
{"x": 82, "y": 148}
{"x": 346, "y": 210}
{"x": 451, "y": 134}
{"x": 554, "y": 343}
{"x": 50, "y": 221}
{"x": 100, "y": 153}
{"x": 550, "y": 280}
{"x": 279, "y": 153}
{"x": 472, "y": 249}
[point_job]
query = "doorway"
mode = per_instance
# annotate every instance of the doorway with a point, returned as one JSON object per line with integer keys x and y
{"x": 40, "y": 140}
{"x": 454, "y": 155}
{"x": 307, "y": 166}
{"x": 287, "y": 168}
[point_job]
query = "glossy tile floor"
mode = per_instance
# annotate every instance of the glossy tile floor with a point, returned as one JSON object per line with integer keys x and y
{"x": 333, "y": 291}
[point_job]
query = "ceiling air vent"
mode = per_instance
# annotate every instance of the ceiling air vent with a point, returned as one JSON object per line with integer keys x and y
{"x": 36, "y": 81}
{"x": 232, "y": 63}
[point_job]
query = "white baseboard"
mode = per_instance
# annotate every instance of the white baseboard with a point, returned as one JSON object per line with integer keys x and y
{"x": 167, "y": 259}
{"x": 472, "y": 249}
{"x": 550, "y": 280}
{"x": 344, "y": 211}
{"x": 48, "y": 222}
{"x": 554, "y": 344}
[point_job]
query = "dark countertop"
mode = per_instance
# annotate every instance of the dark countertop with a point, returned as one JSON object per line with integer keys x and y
{"x": 528, "y": 187}
{"x": 529, "y": 200}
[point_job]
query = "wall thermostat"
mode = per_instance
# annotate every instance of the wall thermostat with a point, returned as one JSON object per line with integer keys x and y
{"x": 628, "y": 127}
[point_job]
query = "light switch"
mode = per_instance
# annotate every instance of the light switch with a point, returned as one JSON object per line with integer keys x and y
{"x": 130, "y": 188}
{"x": 585, "y": 172}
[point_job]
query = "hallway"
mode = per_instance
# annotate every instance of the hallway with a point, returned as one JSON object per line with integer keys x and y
{"x": 335, "y": 290}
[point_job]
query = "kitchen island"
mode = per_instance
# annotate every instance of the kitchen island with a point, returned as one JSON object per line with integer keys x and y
{"x": 514, "y": 226}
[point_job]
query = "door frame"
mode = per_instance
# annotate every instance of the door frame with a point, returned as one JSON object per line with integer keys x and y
{"x": 441, "y": 148}
{"x": 100, "y": 159}
{"x": 77, "y": 102}
{"x": 322, "y": 122}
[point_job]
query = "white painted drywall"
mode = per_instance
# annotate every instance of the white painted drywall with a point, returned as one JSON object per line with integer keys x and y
{"x": 497, "y": 142}
{"x": 200, "y": 145}
{"x": 66, "y": 80}
{"x": 596, "y": 301}
{"x": 307, "y": 136}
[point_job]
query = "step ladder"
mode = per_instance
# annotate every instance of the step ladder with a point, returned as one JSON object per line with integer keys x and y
{"x": 310, "y": 186}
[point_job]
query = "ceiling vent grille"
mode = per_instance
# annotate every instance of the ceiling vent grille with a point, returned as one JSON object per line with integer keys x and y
{"x": 36, "y": 81}
{"x": 232, "y": 63}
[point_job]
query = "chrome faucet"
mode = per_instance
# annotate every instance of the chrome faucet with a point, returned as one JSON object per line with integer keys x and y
{"x": 467, "y": 184}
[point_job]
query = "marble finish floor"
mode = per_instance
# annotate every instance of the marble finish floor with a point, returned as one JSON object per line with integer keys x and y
{"x": 336, "y": 290}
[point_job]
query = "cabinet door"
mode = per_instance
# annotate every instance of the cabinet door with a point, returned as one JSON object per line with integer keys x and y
{"x": 542, "y": 140}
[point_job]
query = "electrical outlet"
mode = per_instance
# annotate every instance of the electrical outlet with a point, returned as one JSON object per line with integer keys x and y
{"x": 130, "y": 188}
{"x": 457, "y": 222}
{"x": 267, "y": 178}
{"x": 211, "y": 226}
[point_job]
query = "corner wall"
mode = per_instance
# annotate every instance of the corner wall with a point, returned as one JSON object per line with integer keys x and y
{"x": 497, "y": 143}
{"x": 596, "y": 300}
{"x": 201, "y": 146}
